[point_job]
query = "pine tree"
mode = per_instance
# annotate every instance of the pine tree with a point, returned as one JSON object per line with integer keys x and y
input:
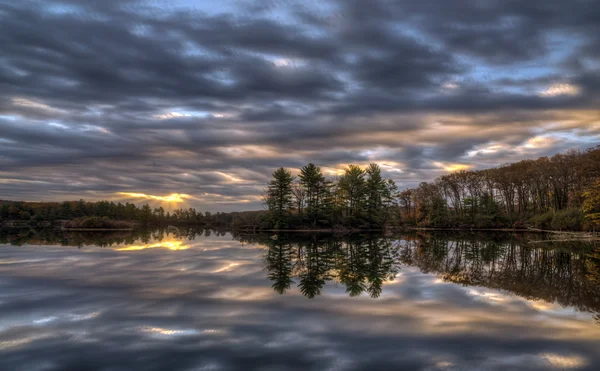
{"x": 313, "y": 183}
{"x": 279, "y": 196}
{"x": 376, "y": 194}
{"x": 352, "y": 189}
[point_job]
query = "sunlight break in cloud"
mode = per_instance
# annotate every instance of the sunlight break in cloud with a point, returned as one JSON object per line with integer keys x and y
{"x": 230, "y": 178}
{"x": 564, "y": 362}
{"x": 169, "y": 332}
{"x": 494, "y": 148}
{"x": 450, "y": 86}
{"x": 23, "y": 102}
{"x": 539, "y": 142}
{"x": 173, "y": 197}
{"x": 286, "y": 62}
{"x": 560, "y": 89}
{"x": 452, "y": 167}
{"x": 170, "y": 115}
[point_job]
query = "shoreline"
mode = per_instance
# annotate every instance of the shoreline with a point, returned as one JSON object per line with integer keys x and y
{"x": 474, "y": 229}
{"x": 581, "y": 234}
{"x": 95, "y": 229}
{"x": 328, "y": 230}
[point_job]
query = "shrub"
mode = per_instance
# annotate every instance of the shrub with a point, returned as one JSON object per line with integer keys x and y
{"x": 485, "y": 221}
{"x": 502, "y": 221}
{"x": 519, "y": 224}
{"x": 24, "y": 215}
{"x": 542, "y": 221}
{"x": 569, "y": 219}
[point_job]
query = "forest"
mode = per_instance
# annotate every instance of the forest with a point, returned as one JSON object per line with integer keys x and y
{"x": 561, "y": 192}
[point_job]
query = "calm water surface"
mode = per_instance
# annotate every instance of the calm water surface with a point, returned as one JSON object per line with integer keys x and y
{"x": 214, "y": 301}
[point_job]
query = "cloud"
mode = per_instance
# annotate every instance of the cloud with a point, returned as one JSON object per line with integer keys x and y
{"x": 560, "y": 89}
{"x": 106, "y": 97}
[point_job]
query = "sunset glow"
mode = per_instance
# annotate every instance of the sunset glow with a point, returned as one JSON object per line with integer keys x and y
{"x": 560, "y": 89}
{"x": 173, "y": 197}
{"x": 452, "y": 167}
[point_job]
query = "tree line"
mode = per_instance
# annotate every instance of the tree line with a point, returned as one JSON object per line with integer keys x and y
{"x": 96, "y": 213}
{"x": 560, "y": 192}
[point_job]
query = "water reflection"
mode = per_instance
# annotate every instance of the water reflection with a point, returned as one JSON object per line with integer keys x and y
{"x": 19, "y": 237}
{"x": 171, "y": 245}
{"x": 567, "y": 275}
{"x": 360, "y": 263}
{"x": 564, "y": 272}
{"x": 223, "y": 302}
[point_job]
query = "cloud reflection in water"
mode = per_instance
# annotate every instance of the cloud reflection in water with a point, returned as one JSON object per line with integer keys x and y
{"x": 212, "y": 306}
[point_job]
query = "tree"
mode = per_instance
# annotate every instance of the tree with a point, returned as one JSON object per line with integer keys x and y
{"x": 299, "y": 197}
{"x": 313, "y": 183}
{"x": 392, "y": 211}
{"x": 145, "y": 214}
{"x": 24, "y": 215}
{"x": 279, "y": 196}
{"x": 352, "y": 189}
{"x": 431, "y": 207}
{"x": 65, "y": 210}
{"x": 376, "y": 191}
{"x": 406, "y": 199}
{"x": 591, "y": 203}
{"x": 159, "y": 214}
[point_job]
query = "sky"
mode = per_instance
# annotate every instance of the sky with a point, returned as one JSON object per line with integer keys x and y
{"x": 140, "y": 100}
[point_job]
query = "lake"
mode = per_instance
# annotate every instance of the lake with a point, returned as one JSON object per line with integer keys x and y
{"x": 202, "y": 300}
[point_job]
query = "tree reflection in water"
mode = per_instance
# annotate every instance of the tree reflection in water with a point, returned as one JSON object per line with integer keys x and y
{"x": 554, "y": 272}
{"x": 361, "y": 263}
{"x": 565, "y": 274}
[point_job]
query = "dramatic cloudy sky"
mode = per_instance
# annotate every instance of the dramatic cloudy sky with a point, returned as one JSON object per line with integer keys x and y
{"x": 206, "y": 98}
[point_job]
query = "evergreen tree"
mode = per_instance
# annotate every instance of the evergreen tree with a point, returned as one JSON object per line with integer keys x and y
{"x": 376, "y": 191}
{"x": 352, "y": 189}
{"x": 327, "y": 208}
{"x": 279, "y": 196}
{"x": 313, "y": 183}
{"x": 145, "y": 214}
